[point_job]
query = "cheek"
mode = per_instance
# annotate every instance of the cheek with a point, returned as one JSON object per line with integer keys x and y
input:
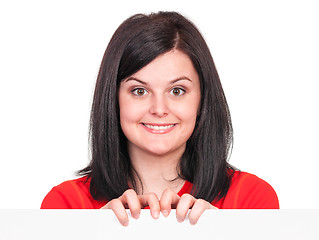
{"x": 130, "y": 112}
{"x": 187, "y": 112}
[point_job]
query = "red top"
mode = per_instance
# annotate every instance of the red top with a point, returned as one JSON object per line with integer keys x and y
{"x": 246, "y": 191}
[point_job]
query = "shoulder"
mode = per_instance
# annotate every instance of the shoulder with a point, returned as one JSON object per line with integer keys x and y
{"x": 249, "y": 191}
{"x": 70, "y": 194}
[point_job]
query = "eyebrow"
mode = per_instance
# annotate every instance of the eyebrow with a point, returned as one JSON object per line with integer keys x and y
{"x": 171, "y": 82}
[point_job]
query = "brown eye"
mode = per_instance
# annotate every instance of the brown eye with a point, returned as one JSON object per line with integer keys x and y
{"x": 177, "y": 91}
{"x": 139, "y": 91}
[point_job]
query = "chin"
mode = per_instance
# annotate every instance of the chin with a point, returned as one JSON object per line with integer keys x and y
{"x": 159, "y": 151}
{"x": 157, "y": 148}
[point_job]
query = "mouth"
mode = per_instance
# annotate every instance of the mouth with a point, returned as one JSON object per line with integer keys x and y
{"x": 159, "y": 128}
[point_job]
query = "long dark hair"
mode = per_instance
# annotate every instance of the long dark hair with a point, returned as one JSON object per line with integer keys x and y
{"x": 138, "y": 41}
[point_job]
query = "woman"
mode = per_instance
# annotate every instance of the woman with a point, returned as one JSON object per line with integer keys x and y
{"x": 160, "y": 129}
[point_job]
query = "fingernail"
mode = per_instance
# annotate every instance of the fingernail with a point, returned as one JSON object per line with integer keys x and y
{"x": 192, "y": 222}
{"x": 156, "y": 214}
{"x": 179, "y": 219}
{"x": 165, "y": 213}
{"x": 125, "y": 224}
{"x": 136, "y": 216}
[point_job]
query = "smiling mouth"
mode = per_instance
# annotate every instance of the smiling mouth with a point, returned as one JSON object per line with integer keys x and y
{"x": 159, "y": 127}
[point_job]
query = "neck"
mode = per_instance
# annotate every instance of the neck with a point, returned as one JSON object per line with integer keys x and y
{"x": 155, "y": 173}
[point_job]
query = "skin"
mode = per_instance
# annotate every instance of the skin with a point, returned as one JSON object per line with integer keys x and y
{"x": 158, "y": 110}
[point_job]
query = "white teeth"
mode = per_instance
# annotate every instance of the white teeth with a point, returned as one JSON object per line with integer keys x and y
{"x": 159, "y": 127}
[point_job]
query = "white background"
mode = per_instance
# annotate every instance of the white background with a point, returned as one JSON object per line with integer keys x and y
{"x": 266, "y": 53}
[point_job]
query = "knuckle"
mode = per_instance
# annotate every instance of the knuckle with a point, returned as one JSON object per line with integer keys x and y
{"x": 129, "y": 192}
{"x": 153, "y": 201}
{"x": 168, "y": 194}
{"x": 187, "y": 197}
{"x": 135, "y": 208}
{"x": 151, "y": 196}
{"x": 201, "y": 203}
{"x": 114, "y": 202}
{"x": 168, "y": 191}
{"x": 169, "y": 199}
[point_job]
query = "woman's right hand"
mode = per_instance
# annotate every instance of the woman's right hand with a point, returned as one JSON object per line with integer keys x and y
{"x": 130, "y": 200}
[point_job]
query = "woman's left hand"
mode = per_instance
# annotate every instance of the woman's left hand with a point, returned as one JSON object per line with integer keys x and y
{"x": 182, "y": 204}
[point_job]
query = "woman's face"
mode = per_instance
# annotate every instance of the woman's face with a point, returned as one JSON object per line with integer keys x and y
{"x": 159, "y": 105}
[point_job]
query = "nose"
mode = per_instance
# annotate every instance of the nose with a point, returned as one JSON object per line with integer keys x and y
{"x": 159, "y": 106}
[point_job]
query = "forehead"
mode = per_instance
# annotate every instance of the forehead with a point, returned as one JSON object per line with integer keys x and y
{"x": 168, "y": 67}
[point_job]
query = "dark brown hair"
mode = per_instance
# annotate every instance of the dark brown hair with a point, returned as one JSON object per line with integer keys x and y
{"x": 138, "y": 41}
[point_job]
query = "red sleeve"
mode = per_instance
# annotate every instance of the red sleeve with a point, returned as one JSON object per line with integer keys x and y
{"x": 55, "y": 200}
{"x": 250, "y": 192}
{"x": 73, "y": 194}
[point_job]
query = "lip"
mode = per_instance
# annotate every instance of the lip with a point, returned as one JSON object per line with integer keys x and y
{"x": 159, "y": 128}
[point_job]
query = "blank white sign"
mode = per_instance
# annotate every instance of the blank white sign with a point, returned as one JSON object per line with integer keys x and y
{"x": 214, "y": 224}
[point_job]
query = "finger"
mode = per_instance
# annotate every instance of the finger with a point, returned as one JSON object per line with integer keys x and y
{"x": 197, "y": 210}
{"x": 118, "y": 208}
{"x": 152, "y": 201}
{"x": 130, "y": 198}
{"x": 185, "y": 203}
{"x": 168, "y": 201}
